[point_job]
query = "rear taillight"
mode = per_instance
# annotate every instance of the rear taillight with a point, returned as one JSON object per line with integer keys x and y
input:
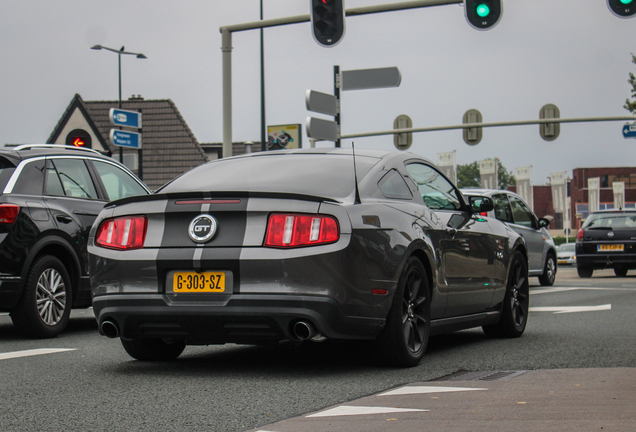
{"x": 484, "y": 214}
{"x": 579, "y": 235}
{"x": 8, "y": 213}
{"x": 126, "y": 232}
{"x": 297, "y": 230}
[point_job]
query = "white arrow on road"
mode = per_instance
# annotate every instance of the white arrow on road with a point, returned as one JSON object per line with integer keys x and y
{"x": 570, "y": 309}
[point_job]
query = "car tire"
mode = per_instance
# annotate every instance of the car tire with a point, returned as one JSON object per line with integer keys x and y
{"x": 549, "y": 271}
{"x": 514, "y": 315}
{"x": 404, "y": 339}
{"x": 620, "y": 271}
{"x": 154, "y": 349}
{"x": 45, "y": 306}
{"x": 584, "y": 272}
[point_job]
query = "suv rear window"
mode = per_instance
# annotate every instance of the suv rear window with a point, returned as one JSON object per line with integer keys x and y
{"x": 614, "y": 221}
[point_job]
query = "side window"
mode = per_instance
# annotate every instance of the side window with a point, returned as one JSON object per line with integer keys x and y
{"x": 31, "y": 179}
{"x": 522, "y": 214}
{"x": 437, "y": 192}
{"x": 393, "y": 185}
{"x": 502, "y": 208}
{"x": 69, "y": 177}
{"x": 118, "y": 183}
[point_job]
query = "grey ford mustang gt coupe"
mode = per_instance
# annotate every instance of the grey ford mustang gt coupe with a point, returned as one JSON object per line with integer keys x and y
{"x": 305, "y": 245}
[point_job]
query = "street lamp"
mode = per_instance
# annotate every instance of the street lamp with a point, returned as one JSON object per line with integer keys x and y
{"x": 119, "y": 53}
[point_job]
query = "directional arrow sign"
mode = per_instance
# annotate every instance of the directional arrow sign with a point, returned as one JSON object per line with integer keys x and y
{"x": 320, "y": 129}
{"x": 362, "y": 79}
{"x": 322, "y": 103}
{"x": 629, "y": 131}
{"x": 570, "y": 309}
{"x": 120, "y": 117}
{"x": 122, "y": 138}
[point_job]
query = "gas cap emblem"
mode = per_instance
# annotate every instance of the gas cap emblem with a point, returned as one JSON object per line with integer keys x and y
{"x": 202, "y": 228}
{"x": 610, "y": 234}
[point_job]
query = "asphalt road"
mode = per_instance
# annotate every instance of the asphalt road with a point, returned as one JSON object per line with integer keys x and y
{"x": 578, "y": 323}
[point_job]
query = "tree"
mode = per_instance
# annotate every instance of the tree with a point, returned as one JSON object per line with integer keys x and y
{"x": 468, "y": 176}
{"x": 631, "y": 105}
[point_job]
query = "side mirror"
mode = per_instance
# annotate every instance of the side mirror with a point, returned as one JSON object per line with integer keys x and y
{"x": 481, "y": 204}
{"x": 543, "y": 222}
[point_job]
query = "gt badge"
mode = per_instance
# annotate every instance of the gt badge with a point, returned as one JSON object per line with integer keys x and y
{"x": 202, "y": 228}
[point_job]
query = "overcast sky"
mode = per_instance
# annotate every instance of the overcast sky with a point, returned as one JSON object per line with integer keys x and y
{"x": 571, "y": 53}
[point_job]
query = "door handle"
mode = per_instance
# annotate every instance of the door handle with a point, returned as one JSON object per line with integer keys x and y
{"x": 63, "y": 219}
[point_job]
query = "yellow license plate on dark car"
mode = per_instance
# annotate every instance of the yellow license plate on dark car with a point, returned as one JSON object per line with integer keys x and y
{"x": 611, "y": 247}
{"x": 193, "y": 282}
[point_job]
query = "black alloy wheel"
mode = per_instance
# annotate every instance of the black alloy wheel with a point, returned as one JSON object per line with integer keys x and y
{"x": 549, "y": 271}
{"x": 154, "y": 349}
{"x": 45, "y": 306}
{"x": 584, "y": 272}
{"x": 516, "y": 303}
{"x": 405, "y": 336}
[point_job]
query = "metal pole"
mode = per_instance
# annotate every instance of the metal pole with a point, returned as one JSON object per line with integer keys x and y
{"x": 336, "y": 93}
{"x": 121, "y": 150}
{"x": 493, "y": 124}
{"x": 226, "y": 48}
{"x": 263, "y": 123}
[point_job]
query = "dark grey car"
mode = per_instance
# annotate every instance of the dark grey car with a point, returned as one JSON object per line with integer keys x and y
{"x": 512, "y": 210}
{"x": 292, "y": 245}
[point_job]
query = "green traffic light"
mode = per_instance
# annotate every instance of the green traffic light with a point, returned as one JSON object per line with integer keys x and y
{"x": 626, "y": 1}
{"x": 483, "y": 10}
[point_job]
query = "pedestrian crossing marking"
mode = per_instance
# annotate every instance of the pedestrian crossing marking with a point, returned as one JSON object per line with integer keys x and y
{"x": 348, "y": 410}
{"x": 32, "y": 352}
{"x": 426, "y": 389}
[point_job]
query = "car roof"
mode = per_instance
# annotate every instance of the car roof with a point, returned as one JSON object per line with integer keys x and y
{"x": 28, "y": 151}
{"x": 614, "y": 211}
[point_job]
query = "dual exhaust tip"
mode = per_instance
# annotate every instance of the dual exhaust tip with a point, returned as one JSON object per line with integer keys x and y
{"x": 302, "y": 330}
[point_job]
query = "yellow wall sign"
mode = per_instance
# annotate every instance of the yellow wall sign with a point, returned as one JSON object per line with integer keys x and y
{"x": 284, "y": 137}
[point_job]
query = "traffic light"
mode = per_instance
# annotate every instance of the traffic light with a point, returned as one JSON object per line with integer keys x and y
{"x": 328, "y": 21}
{"x": 622, "y": 8}
{"x": 79, "y": 138}
{"x": 483, "y": 14}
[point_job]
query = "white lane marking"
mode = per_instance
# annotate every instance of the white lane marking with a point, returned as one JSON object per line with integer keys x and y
{"x": 570, "y": 309}
{"x": 4, "y": 314}
{"x": 33, "y": 352}
{"x": 347, "y": 410}
{"x": 553, "y": 290}
{"x": 427, "y": 389}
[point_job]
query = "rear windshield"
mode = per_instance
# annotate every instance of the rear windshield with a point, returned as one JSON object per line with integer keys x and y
{"x": 323, "y": 175}
{"x": 6, "y": 169}
{"x": 613, "y": 221}
{"x": 570, "y": 247}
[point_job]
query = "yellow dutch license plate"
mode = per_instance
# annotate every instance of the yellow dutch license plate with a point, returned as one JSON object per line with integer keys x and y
{"x": 611, "y": 247}
{"x": 193, "y": 282}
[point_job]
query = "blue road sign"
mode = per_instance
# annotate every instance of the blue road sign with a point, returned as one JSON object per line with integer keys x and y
{"x": 120, "y": 117}
{"x": 629, "y": 131}
{"x": 122, "y": 138}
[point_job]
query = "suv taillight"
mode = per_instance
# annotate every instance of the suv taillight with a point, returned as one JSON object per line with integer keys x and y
{"x": 297, "y": 230}
{"x": 124, "y": 233}
{"x": 8, "y": 213}
{"x": 579, "y": 235}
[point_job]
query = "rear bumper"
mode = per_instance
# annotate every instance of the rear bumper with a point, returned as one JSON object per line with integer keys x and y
{"x": 233, "y": 318}
{"x": 604, "y": 260}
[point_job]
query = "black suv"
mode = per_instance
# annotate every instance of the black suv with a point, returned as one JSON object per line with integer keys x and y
{"x": 49, "y": 197}
{"x": 607, "y": 239}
